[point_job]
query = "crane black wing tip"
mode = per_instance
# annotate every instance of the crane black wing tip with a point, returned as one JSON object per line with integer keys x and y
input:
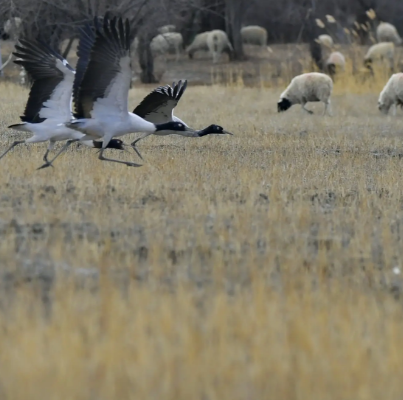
{"x": 19, "y": 60}
{"x": 181, "y": 87}
{"x": 33, "y": 48}
{"x": 15, "y": 126}
{"x": 174, "y": 92}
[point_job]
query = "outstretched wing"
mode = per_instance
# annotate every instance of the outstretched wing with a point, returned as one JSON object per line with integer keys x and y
{"x": 52, "y": 78}
{"x": 87, "y": 39}
{"x": 158, "y": 106}
{"x": 104, "y": 87}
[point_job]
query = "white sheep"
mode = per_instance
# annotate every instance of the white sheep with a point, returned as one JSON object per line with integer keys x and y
{"x": 313, "y": 86}
{"x": 392, "y": 94}
{"x": 12, "y": 27}
{"x": 199, "y": 43}
{"x": 167, "y": 42}
{"x": 386, "y": 32}
{"x": 325, "y": 40}
{"x": 384, "y": 51}
{"x": 254, "y": 35}
{"x": 167, "y": 29}
{"x": 335, "y": 63}
{"x": 217, "y": 42}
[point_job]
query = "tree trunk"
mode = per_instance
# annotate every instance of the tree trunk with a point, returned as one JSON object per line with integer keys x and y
{"x": 234, "y": 12}
{"x": 191, "y": 27}
{"x": 1, "y": 65}
{"x": 316, "y": 54}
{"x": 68, "y": 48}
{"x": 146, "y": 59}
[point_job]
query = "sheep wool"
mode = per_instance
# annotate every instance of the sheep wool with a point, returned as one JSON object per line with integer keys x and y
{"x": 335, "y": 63}
{"x": 325, "y": 40}
{"x": 254, "y": 35}
{"x": 217, "y": 42}
{"x": 12, "y": 27}
{"x": 392, "y": 94}
{"x": 312, "y": 86}
{"x": 386, "y": 32}
{"x": 379, "y": 52}
{"x": 167, "y": 42}
{"x": 167, "y": 29}
{"x": 199, "y": 43}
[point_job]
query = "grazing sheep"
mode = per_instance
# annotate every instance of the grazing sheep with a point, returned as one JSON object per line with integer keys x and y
{"x": 12, "y": 27}
{"x": 199, "y": 43}
{"x": 254, "y": 35}
{"x": 167, "y": 42}
{"x": 312, "y": 86}
{"x": 217, "y": 42}
{"x": 167, "y": 29}
{"x": 392, "y": 94}
{"x": 384, "y": 51}
{"x": 386, "y": 32}
{"x": 325, "y": 40}
{"x": 335, "y": 63}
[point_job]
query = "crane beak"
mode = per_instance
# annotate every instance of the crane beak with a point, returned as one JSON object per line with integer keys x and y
{"x": 227, "y": 133}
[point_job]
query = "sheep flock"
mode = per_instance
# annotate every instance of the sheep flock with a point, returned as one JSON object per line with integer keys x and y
{"x": 303, "y": 88}
{"x": 306, "y": 87}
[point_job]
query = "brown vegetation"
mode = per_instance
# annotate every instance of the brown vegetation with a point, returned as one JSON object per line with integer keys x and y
{"x": 263, "y": 265}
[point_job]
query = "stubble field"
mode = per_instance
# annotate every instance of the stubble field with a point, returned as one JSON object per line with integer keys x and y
{"x": 259, "y": 266}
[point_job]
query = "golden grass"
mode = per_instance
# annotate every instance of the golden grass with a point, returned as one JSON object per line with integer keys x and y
{"x": 258, "y": 266}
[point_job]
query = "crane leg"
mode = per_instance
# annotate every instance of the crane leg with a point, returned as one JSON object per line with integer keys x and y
{"x": 137, "y": 140}
{"x": 129, "y": 164}
{"x": 16, "y": 143}
{"x": 62, "y": 150}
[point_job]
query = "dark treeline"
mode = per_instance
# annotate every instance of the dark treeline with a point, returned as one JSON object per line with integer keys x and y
{"x": 285, "y": 20}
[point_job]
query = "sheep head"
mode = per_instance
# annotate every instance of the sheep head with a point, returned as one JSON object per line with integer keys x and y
{"x": 283, "y": 105}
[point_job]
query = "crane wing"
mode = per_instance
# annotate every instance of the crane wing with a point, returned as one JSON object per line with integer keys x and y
{"x": 86, "y": 41}
{"x": 52, "y": 81}
{"x": 104, "y": 87}
{"x": 158, "y": 106}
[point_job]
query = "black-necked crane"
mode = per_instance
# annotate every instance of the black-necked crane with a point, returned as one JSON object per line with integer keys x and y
{"x": 49, "y": 101}
{"x": 158, "y": 107}
{"x": 101, "y": 101}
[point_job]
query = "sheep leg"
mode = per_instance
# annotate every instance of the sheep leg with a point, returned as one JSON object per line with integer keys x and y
{"x": 305, "y": 110}
{"x": 328, "y": 108}
{"x": 394, "y": 107}
{"x": 214, "y": 57}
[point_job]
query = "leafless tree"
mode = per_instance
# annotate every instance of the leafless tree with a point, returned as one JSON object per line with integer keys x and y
{"x": 234, "y": 12}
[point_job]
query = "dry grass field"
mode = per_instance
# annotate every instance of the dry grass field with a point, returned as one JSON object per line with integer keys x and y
{"x": 259, "y": 266}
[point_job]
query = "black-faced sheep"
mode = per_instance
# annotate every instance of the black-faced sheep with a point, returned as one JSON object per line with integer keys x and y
{"x": 335, "y": 63}
{"x": 313, "y": 86}
{"x": 384, "y": 51}
{"x": 392, "y": 94}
